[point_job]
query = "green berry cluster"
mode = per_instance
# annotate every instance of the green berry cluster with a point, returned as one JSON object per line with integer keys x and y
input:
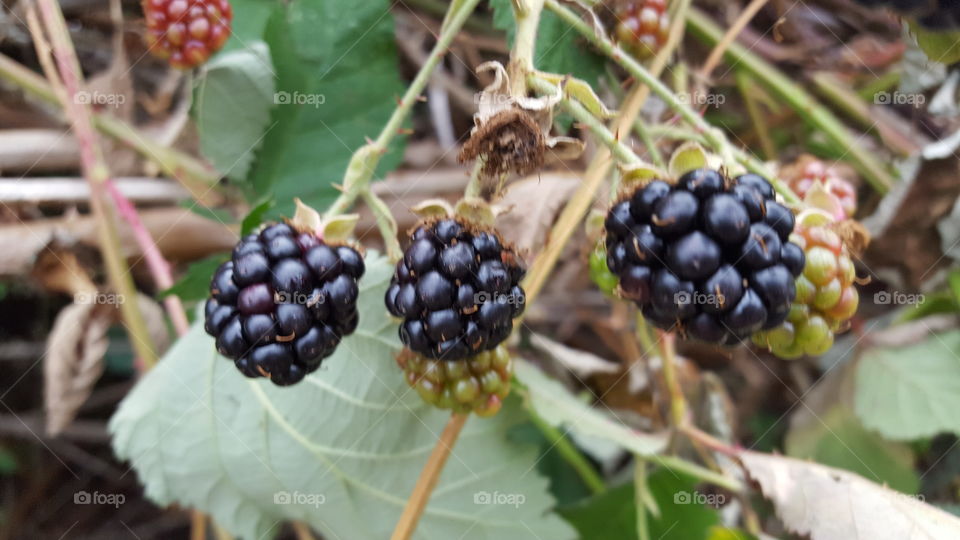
{"x": 826, "y": 294}
{"x": 476, "y": 384}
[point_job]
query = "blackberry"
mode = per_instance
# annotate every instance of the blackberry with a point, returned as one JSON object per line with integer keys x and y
{"x": 456, "y": 289}
{"x": 283, "y": 302}
{"x": 478, "y": 386}
{"x": 825, "y": 298}
{"x": 642, "y": 27}
{"x": 710, "y": 256}
{"x": 186, "y": 32}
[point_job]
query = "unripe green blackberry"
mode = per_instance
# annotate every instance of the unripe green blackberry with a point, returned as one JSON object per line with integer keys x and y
{"x": 826, "y": 293}
{"x": 478, "y": 384}
{"x": 642, "y": 27}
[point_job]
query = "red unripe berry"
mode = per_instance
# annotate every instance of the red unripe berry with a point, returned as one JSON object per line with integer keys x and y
{"x": 186, "y": 32}
{"x": 642, "y": 27}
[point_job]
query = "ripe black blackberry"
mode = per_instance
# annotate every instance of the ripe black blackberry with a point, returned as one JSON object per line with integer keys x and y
{"x": 709, "y": 256}
{"x": 457, "y": 289}
{"x": 282, "y": 303}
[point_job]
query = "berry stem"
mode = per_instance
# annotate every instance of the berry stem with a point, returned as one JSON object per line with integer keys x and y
{"x": 599, "y": 167}
{"x": 713, "y": 136}
{"x": 428, "y": 478}
{"x": 364, "y": 162}
{"x": 527, "y": 14}
{"x": 668, "y": 358}
{"x": 385, "y": 222}
{"x": 194, "y": 175}
{"x": 68, "y": 74}
{"x": 570, "y": 454}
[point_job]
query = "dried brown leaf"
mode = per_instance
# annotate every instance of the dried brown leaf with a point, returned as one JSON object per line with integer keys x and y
{"x": 827, "y": 503}
{"x": 534, "y": 203}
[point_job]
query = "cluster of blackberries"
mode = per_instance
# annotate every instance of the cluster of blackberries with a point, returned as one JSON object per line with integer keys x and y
{"x": 932, "y": 14}
{"x": 708, "y": 256}
{"x": 457, "y": 290}
{"x": 283, "y": 302}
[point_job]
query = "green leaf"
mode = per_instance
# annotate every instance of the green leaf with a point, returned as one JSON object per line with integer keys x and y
{"x": 249, "y": 20}
{"x": 340, "y": 451}
{"x": 559, "y": 408}
{"x": 255, "y": 216}
{"x": 613, "y": 514}
{"x": 195, "y": 283}
{"x": 839, "y": 440}
{"x": 338, "y": 83}
{"x": 559, "y": 48}
{"x": 939, "y": 45}
{"x": 232, "y": 105}
{"x": 911, "y": 392}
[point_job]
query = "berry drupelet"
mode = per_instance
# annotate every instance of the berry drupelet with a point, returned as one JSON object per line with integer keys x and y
{"x": 709, "y": 256}
{"x": 186, "y": 32}
{"x": 457, "y": 290}
{"x": 283, "y": 302}
{"x": 642, "y": 27}
{"x": 826, "y": 294}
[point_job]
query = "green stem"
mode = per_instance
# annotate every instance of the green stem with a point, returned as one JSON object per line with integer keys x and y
{"x": 527, "y": 14}
{"x": 96, "y": 172}
{"x": 714, "y": 137}
{"x": 622, "y": 152}
{"x": 756, "y": 116}
{"x": 570, "y": 454}
{"x": 680, "y": 465}
{"x": 365, "y": 160}
{"x": 805, "y": 105}
{"x": 474, "y": 185}
{"x": 640, "y": 128}
{"x": 640, "y": 489}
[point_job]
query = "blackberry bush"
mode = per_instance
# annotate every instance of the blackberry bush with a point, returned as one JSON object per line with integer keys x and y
{"x": 642, "y": 27}
{"x": 457, "y": 290}
{"x": 186, "y": 32}
{"x": 826, "y": 294}
{"x": 283, "y": 302}
{"x": 709, "y": 256}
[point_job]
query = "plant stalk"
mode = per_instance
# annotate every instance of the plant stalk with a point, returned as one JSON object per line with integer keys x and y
{"x": 364, "y": 162}
{"x": 428, "y": 478}
{"x": 95, "y": 170}
{"x": 570, "y": 454}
